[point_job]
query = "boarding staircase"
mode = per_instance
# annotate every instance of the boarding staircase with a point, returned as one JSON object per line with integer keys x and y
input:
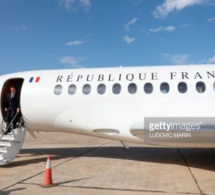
{"x": 11, "y": 144}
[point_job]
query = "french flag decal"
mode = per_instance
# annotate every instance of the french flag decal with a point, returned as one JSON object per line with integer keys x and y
{"x": 34, "y": 80}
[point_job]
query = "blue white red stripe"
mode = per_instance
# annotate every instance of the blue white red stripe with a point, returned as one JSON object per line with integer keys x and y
{"x": 34, "y": 79}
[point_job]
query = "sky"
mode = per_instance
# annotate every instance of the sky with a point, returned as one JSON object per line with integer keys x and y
{"x": 62, "y": 34}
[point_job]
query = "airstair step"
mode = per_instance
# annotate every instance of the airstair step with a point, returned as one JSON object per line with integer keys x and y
{"x": 3, "y": 162}
{"x": 5, "y": 143}
{"x": 8, "y": 137}
{"x": 3, "y": 149}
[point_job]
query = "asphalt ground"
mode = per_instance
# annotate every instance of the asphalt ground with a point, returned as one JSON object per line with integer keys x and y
{"x": 86, "y": 165}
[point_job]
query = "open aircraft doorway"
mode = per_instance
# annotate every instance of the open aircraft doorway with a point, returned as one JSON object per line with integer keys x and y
{"x": 17, "y": 83}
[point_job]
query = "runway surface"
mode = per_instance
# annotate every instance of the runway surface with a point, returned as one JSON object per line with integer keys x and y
{"x": 85, "y": 165}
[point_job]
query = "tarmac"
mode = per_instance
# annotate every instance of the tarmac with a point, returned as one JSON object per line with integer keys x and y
{"x": 86, "y": 165}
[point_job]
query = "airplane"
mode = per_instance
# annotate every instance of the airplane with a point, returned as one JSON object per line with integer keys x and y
{"x": 170, "y": 106}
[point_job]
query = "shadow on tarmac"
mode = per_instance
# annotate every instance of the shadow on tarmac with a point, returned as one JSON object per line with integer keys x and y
{"x": 196, "y": 157}
{"x": 7, "y": 192}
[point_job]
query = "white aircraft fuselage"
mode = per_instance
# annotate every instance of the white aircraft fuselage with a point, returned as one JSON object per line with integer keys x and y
{"x": 129, "y": 104}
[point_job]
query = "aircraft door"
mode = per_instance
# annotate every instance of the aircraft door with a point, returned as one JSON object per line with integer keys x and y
{"x": 17, "y": 83}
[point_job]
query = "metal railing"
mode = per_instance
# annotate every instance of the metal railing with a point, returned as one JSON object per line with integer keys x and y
{"x": 7, "y": 128}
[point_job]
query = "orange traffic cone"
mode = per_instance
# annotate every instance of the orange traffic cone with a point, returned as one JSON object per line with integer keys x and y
{"x": 47, "y": 182}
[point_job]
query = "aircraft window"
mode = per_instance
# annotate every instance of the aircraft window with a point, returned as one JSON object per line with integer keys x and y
{"x": 116, "y": 88}
{"x": 72, "y": 89}
{"x": 148, "y": 88}
{"x": 200, "y": 87}
{"x": 132, "y": 88}
{"x": 101, "y": 89}
{"x": 86, "y": 89}
{"x": 182, "y": 87}
{"x": 164, "y": 87}
{"x": 58, "y": 89}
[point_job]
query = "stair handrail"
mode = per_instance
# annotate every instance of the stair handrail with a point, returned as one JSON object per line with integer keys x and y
{"x": 12, "y": 121}
{"x": 21, "y": 123}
